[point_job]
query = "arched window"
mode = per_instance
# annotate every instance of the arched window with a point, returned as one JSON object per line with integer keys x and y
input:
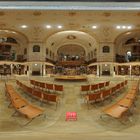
{"x": 106, "y": 49}
{"x": 36, "y": 48}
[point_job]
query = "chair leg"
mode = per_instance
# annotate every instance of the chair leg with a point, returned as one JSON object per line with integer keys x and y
{"x": 14, "y": 113}
{"x": 9, "y": 105}
{"x": 28, "y": 122}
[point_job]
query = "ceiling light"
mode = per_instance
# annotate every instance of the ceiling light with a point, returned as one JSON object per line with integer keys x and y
{"x": 59, "y": 26}
{"x": 118, "y": 27}
{"x": 48, "y": 26}
{"x": 129, "y": 27}
{"x": 24, "y": 26}
{"x": 124, "y": 27}
{"x": 94, "y": 27}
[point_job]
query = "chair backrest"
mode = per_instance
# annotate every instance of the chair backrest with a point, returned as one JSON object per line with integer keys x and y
{"x": 49, "y": 86}
{"x": 37, "y": 94}
{"x": 118, "y": 86}
{"x": 94, "y": 87}
{"x": 50, "y": 97}
{"x": 58, "y": 87}
{"x": 107, "y": 83}
{"x": 122, "y": 84}
{"x": 113, "y": 89}
{"x": 42, "y": 85}
{"x": 17, "y": 82}
{"x": 29, "y": 90}
{"x": 125, "y": 82}
{"x": 105, "y": 93}
{"x": 93, "y": 97}
{"x": 101, "y": 85}
{"x": 32, "y": 82}
{"x": 36, "y": 83}
{"x": 85, "y": 87}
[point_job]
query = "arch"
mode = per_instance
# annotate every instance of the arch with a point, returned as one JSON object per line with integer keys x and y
{"x": 126, "y": 34}
{"x": 67, "y": 43}
{"x": 71, "y": 36}
{"x": 12, "y": 44}
{"x": 18, "y": 36}
{"x": 62, "y": 38}
{"x": 128, "y": 41}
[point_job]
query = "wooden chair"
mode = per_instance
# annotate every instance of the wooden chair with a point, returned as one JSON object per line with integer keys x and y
{"x": 42, "y": 86}
{"x": 31, "y": 112}
{"x": 125, "y": 102}
{"x": 125, "y": 82}
{"x": 21, "y": 105}
{"x": 32, "y": 82}
{"x": 49, "y": 87}
{"x": 107, "y": 83}
{"x": 59, "y": 89}
{"x": 85, "y": 89}
{"x": 106, "y": 94}
{"x": 37, "y": 94}
{"x": 93, "y": 98}
{"x": 94, "y": 87}
{"x": 37, "y": 84}
{"x": 51, "y": 98}
{"x": 122, "y": 84}
{"x": 115, "y": 111}
{"x": 101, "y": 85}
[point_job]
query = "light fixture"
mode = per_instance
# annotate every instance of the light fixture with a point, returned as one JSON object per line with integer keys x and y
{"x": 24, "y": 26}
{"x": 129, "y": 27}
{"x": 59, "y": 26}
{"x": 118, "y": 27}
{"x": 123, "y": 27}
{"x": 48, "y": 26}
{"x": 35, "y": 64}
{"x": 94, "y": 27}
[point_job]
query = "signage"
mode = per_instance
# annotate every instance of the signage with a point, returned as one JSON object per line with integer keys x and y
{"x": 71, "y": 116}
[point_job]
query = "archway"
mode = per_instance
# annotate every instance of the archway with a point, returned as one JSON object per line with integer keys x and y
{"x": 13, "y": 45}
{"x": 126, "y": 44}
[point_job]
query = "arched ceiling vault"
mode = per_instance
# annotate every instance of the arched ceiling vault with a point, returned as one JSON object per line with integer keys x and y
{"x": 123, "y": 37}
{"x": 19, "y": 37}
{"x": 71, "y": 37}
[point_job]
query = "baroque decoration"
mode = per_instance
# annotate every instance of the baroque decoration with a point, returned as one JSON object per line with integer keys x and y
{"x": 71, "y": 37}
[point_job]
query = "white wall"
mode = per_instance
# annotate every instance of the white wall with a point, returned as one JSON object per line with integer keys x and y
{"x": 36, "y": 56}
{"x": 109, "y": 57}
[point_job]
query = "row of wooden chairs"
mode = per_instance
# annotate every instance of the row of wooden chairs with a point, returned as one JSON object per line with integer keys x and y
{"x": 21, "y": 105}
{"x": 52, "y": 88}
{"x": 101, "y": 95}
{"x": 86, "y": 89}
{"x": 122, "y": 107}
{"x": 39, "y": 94}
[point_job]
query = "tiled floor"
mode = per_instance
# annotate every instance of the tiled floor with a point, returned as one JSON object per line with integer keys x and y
{"x": 88, "y": 125}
